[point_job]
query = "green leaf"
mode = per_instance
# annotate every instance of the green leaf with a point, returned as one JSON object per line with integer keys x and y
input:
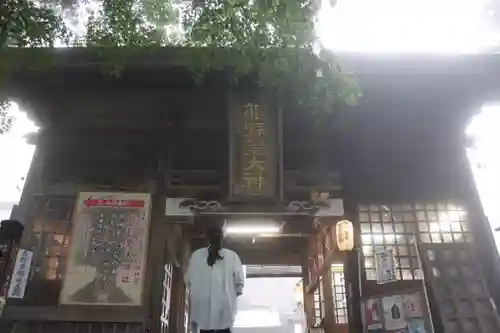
{"x": 271, "y": 40}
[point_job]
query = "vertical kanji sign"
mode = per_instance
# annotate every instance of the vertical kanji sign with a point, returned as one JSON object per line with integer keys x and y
{"x": 253, "y": 147}
{"x": 20, "y": 274}
{"x": 384, "y": 266}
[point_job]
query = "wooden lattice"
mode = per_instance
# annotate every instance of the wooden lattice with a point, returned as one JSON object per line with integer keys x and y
{"x": 459, "y": 294}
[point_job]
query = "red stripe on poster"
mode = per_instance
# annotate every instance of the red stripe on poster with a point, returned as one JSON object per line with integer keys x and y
{"x": 114, "y": 203}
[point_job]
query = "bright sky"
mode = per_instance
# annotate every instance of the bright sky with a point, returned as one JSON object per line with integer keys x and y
{"x": 438, "y": 26}
{"x": 16, "y": 157}
{"x": 484, "y": 156}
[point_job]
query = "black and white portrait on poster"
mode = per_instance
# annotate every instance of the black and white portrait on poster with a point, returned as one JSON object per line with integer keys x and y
{"x": 108, "y": 250}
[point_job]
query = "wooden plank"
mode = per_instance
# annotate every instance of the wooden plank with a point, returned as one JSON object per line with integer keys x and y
{"x": 74, "y": 313}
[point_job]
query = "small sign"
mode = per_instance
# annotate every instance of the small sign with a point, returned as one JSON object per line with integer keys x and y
{"x": 393, "y": 313}
{"x": 20, "y": 274}
{"x": 412, "y": 306}
{"x": 384, "y": 266}
{"x": 374, "y": 314}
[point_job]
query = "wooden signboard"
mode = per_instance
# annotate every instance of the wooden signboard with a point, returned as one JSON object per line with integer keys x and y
{"x": 253, "y": 147}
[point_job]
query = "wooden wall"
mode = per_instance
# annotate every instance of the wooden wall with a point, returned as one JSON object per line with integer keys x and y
{"x": 70, "y": 327}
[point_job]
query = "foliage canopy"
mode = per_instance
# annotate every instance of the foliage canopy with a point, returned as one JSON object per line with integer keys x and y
{"x": 274, "y": 39}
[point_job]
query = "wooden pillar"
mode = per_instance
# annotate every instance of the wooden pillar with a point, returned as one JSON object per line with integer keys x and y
{"x": 352, "y": 274}
{"x": 352, "y": 271}
{"x": 308, "y": 297}
{"x": 178, "y": 292}
{"x": 176, "y": 302}
{"x": 158, "y": 236}
{"x": 329, "y": 318}
{"x": 156, "y": 262}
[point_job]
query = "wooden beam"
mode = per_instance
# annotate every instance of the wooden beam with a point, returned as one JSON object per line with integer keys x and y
{"x": 116, "y": 314}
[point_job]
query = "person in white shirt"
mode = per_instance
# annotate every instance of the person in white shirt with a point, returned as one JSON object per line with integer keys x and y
{"x": 215, "y": 278}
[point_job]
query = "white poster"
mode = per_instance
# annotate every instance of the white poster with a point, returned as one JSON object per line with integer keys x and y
{"x": 373, "y": 314}
{"x": 108, "y": 250}
{"x": 20, "y": 274}
{"x": 393, "y": 312}
{"x": 384, "y": 266}
{"x": 412, "y": 306}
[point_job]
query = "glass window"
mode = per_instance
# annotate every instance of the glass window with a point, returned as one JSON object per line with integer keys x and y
{"x": 421, "y": 216}
{"x": 399, "y": 228}
{"x": 367, "y": 239}
{"x": 364, "y": 217}
{"x": 425, "y": 238}
{"x": 51, "y": 234}
{"x": 395, "y": 226}
{"x": 447, "y": 238}
{"x": 369, "y": 262}
{"x": 404, "y": 262}
{"x": 409, "y": 217}
{"x": 365, "y": 228}
{"x": 367, "y": 251}
{"x": 317, "y": 305}
{"x": 406, "y": 274}
{"x": 376, "y": 227}
{"x": 388, "y": 227}
{"x": 339, "y": 294}
{"x": 423, "y": 226}
{"x": 436, "y": 238}
{"x": 48, "y": 237}
{"x": 374, "y": 217}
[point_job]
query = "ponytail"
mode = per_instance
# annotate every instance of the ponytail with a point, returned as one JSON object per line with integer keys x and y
{"x": 215, "y": 239}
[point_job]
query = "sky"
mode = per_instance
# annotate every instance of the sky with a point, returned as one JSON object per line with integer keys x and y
{"x": 484, "y": 157}
{"x": 16, "y": 157}
{"x": 436, "y": 26}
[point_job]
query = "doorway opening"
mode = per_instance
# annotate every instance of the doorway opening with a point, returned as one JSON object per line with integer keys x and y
{"x": 272, "y": 301}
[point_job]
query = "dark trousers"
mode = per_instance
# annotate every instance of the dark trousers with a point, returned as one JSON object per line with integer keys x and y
{"x": 227, "y": 330}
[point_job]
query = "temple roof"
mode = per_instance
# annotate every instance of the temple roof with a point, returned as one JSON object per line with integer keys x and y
{"x": 390, "y": 83}
{"x": 409, "y": 122}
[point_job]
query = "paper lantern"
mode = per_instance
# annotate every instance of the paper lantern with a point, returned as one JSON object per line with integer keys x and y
{"x": 345, "y": 235}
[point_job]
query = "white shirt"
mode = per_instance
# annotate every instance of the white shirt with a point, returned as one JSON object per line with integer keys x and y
{"x": 214, "y": 289}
